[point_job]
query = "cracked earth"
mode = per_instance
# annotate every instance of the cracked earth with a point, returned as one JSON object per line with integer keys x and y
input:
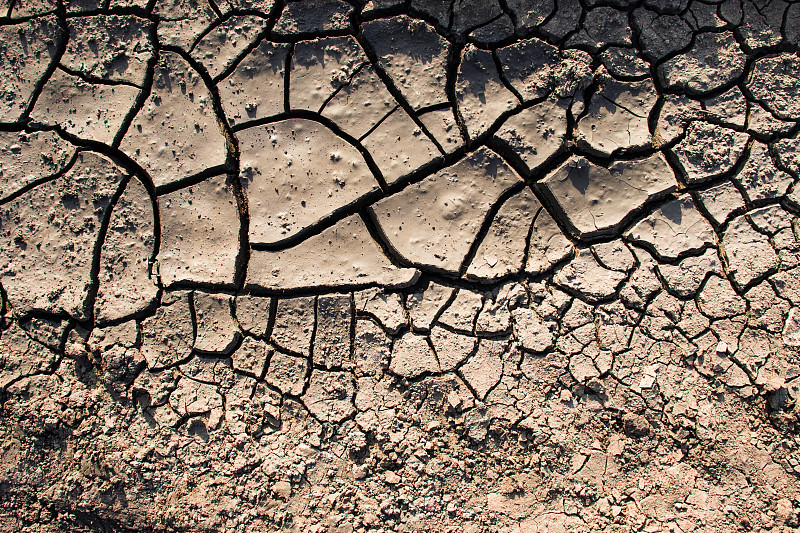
{"x": 420, "y": 265}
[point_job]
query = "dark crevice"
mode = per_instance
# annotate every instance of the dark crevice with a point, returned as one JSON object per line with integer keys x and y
{"x": 144, "y": 93}
{"x": 94, "y": 287}
{"x": 378, "y": 123}
{"x": 272, "y": 19}
{"x": 486, "y": 224}
{"x": 388, "y": 82}
{"x": 61, "y": 48}
{"x": 324, "y": 121}
{"x": 41, "y": 181}
{"x": 189, "y": 181}
{"x": 95, "y": 80}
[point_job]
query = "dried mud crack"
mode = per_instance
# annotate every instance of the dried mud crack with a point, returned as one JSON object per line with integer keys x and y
{"x": 399, "y": 265}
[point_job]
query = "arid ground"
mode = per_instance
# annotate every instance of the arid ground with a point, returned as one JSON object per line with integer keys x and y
{"x": 338, "y": 266}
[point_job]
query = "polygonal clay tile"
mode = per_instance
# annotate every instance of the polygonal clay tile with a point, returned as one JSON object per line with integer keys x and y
{"x": 329, "y": 396}
{"x": 596, "y": 200}
{"x": 502, "y": 251}
{"x": 21, "y": 356}
{"x": 730, "y": 107}
{"x": 435, "y": 221}
{"x": 759, "y": 178}
{"x": 82, "y": 6}
{"x": 451, "y": 348}
{"x": 614, "y": 255}
{"x": 537, "y": 133}
{"x": 181, "y": 21}
{"x": 124, "y": 280}
{"x": 28, "y": 8}
{"x": 295, "y": 173}
{"x": 109, "y": 47}
{"x": 254, "y": 89}
{"x": 719, "y": 300}
{"x": 714, "y": 60}
{"x": 217, "y": 332}
{"x": 760, "y": 24}
{"x": 216, "y": 370}
{"x": 372, "y": 348}
{"x": 483, "y": 370}
{"x": 674, "y": 229}
{"x": 242, "y": 415}
{"x": 791, "y": 329}
{"x": 787, "y": 153}
{"x": 624, "y": 62}
{"x": 341, "y": 256}
{"x": 313, "y": 16}
{"x": 48, "y": 236}
{"x": 91, "y": 111}
{"x": 481, "y": 95}
{"x": 773, "y": 82}
{"x": 26, "y": 158}
{"x": 748, "y": 253}
{"x": 262, "y": 6}
{"x": 387, "y": 308}
{"x": 320, "y": 67}
{"x": 192, "y": 398}
{"x": 532, "y": 333}
{"x": 674, "y": 117}
{"x": 398, "y": 146}
{"x": 294, "y": 324}
{"x": 660, "y": 35}
{"x": 617, "y": 117}
{"x": 582, "y": 365}
{"x": 176, "y": 133}
{"x": 548, "y": 245}
{"x": 168, "y": 335}
{"x": 720, "y": 201}
{"x": 252, "y": 313}
{"x": 287, "y": 373}
{"x": 412, "y": 356}
{"x": 442, "y": 125}
{"x": 460, "y": 315}
{"x": 360, "y": 104}
{"x": 218, "y": 49}
{"x": 413, "y": 55}
{"x": 495, "y": 316}
{"x": 251, "y": 356}
{"x": 440, "y": 11}
{"x": 529, "y": 14}
{"x": 49, "y": 331}
{"x": 199, "y": 234}
{"x": 332, "y": 346}
{"x": 535, "y": 69}
{"x": 585, "y": 276}
{"x": 468, "y": 15}
{"x": 772, "y": 220}
{"x": 763, "y": 123}
{"x": 603, "y": 26}
{"x": 27, "y": 51}
{"x": 709, "y": 150}
{"x": 529, "y": 66}
{"x": 425, "y": 304}
{"x": 685, "y": 277}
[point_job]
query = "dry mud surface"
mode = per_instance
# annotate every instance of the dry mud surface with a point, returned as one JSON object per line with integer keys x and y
{"x": 422, "y": 265}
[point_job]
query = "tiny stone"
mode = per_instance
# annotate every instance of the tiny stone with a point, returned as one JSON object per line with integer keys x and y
{"x": 282, "y": 489}
{"x": 392, "y": 478}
